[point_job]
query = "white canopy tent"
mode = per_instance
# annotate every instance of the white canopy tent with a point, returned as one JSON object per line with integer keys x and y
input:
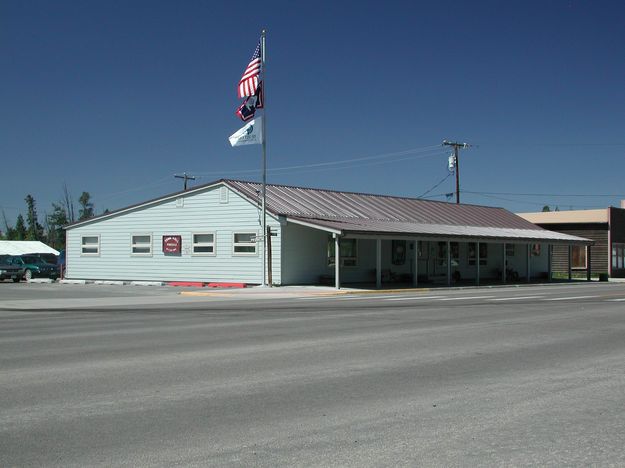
{"x": 25, "y": 247}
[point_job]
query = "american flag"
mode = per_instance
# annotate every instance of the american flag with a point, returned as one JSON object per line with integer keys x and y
{"x": 249, "y": 81}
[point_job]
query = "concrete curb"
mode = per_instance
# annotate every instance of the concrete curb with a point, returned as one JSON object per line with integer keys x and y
{"x": 40, "y": 280}
{"x": 68, "y": 281}
{"x": 110, "y": 283}
{"x": 146, "y": 283}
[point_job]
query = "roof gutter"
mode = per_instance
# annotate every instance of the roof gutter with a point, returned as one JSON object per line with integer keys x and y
{"x": 314, "y": 226}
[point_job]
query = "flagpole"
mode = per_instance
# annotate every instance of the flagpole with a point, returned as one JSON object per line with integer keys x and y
{"x": 264, "y": 145}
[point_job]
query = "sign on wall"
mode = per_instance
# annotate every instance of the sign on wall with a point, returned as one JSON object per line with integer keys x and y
{"x": 172, "y": 244}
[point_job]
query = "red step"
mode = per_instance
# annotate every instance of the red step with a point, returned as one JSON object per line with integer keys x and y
{"x": 187, "y": 284}
{"x": 226, "y": 285}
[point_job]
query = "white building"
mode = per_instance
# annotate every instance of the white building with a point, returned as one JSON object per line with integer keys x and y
{"x": 211, "y": 233}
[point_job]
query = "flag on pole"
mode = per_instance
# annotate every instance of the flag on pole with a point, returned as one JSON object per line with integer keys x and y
{"x": 250, "y": 134}
{"x": 249, "y": 81}
{"x": 248, "y": 108}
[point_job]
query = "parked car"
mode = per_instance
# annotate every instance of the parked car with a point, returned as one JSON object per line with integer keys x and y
{"x": 34, "y": 266}
{"x": 48, "y": 257}
{"x": 10, "y": 271}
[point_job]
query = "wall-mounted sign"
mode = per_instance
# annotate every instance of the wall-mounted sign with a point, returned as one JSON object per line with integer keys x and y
{"x": 172, "y": 244}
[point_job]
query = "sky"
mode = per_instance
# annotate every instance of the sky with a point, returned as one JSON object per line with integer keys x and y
{"x": 115, "y": 97}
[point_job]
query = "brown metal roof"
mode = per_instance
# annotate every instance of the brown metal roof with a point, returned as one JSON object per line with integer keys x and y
{"x": 360, "y": 213}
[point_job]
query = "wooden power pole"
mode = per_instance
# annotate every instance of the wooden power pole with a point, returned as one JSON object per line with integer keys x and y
{"x": 456, "y": 146}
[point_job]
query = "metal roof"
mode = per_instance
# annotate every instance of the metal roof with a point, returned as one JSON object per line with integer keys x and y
{"x": 362, "y": 213}
{"x": 567, "y": 217}
{"x": 359, "y": 213}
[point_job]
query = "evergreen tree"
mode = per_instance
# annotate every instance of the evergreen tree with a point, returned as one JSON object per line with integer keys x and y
{"x": 56, "y": 221}
{"x": 35, "y": 230}
{"x": 546, "y": 208}
{"x": 19, "y": 232}
{"x": 86, "y": 207}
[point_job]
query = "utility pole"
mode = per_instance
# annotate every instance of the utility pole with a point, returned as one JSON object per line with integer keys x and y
{"x": 456, "y": 146}
{"x": 185, "y": 177}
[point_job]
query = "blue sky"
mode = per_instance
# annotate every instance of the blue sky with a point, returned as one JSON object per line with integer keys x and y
{"x": 114, "y": 97}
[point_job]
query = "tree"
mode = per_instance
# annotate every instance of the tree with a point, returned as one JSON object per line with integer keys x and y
{"x": 68, "y": 204}
{"x": 56, "y": 221}
{"x": 19, "y": 232}
{"x": 9, "y": 232}
{"x": 35, "y": 230}
{"x": 546, "y": 208}
{"x": 86, "y": 206}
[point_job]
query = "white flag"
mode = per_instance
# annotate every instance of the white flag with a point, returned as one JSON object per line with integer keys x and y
{"x": 250, "y": 134}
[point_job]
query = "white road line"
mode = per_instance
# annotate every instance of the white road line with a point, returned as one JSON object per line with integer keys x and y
{"x": 516, "y": 298}
{"x": 349, "y": 298}
{"x": 412, "y": 298}
{"x": 313, "y": 298}
{"x": 465, "y": 298}
{"x": 621, "y": 299}
{"x": 568, "y": 298}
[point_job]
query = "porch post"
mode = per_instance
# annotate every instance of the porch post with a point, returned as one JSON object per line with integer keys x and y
{"x": 549, "y": 259}
{"x": 588, "y": 264}
{"x": 415, "y": 278}
{"x": 448, "y": 263}
{"x": 477, "y": 276}
{"x": 503, "y": 268}
{"x": 570, "y": 269}
{"x": 529, "y": 253}
{"x": 337, "y": 262}
{"x": 378, "y": 263}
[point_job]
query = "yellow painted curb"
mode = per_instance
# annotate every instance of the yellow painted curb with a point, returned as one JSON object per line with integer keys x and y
{"x": 198, "y": 293}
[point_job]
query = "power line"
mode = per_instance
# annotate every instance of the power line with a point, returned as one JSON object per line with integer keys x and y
{"x": 442, "y": 180}
{"x": 547, "y": 194}
{"x": 525, "y": 201}
{"x": 424, "y": 149}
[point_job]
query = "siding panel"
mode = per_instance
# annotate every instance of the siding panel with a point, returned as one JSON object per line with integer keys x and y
{"x": 201, "y": 212}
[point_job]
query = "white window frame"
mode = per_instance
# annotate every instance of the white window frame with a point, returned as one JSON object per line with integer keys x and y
{"x": 83, "y": 245}
{"x": 244, "y": 244}
{"x": 204, "y": 244}
{"x": 134, "y": 244}
{"x": 345, "y": 261}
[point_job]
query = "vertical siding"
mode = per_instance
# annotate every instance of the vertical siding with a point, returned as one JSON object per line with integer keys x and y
{"x": 599, "y": 251}
{"x": 200, "y": 212}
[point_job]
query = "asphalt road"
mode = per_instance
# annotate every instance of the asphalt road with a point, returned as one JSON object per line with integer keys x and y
{"x": 490, "y": 377}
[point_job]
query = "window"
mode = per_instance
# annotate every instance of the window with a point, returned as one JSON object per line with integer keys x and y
{"x": 90, "y": 245}
{"x": 244, "y": 243}
{"x": 618, "y": 256}
{"x": 455, "y": 253}
{"x": 348, "y": 252}
{"x": 471, "y": 251}
{"x": 204, "y": 244}
{"x": 141, "y": 244}
{"x": 398, "y": 252}
{"x": 578, "y": 257}
{"x": 509, "y": 250}
{"x": 535, "y": 250}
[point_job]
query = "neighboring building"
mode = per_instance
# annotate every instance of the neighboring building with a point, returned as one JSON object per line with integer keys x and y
{"x": 209, "y": 234}
{"x": 606, "y": 227}
{"x": 25, "y": 247}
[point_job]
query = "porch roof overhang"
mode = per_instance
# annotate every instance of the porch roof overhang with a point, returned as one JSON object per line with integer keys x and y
{"x": 359, "y": 227}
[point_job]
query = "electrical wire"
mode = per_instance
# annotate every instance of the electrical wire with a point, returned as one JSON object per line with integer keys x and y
{"x": 546, "y": 194}
{"x": 416, "y": 151}
{"x": 443, "y": 180}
